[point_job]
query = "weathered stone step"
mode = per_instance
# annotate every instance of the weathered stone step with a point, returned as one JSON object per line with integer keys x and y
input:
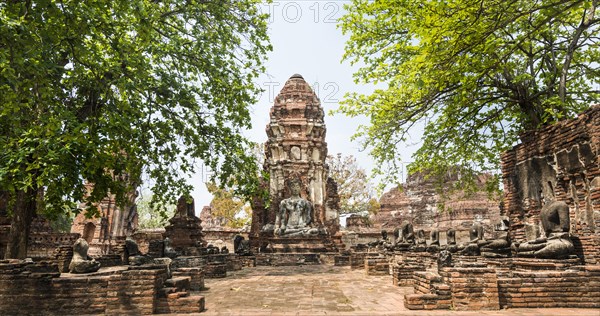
{"x": 166, "y": 291}
{"x": 181, "y": 283}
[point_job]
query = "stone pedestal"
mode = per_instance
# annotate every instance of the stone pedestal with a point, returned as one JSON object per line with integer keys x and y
{"x": 342, "y": 260}
{"x": 377, "y": 266}
{"x": 248, "y": 261}
{"x": 287, "y": 259}
{"x": 533, "y": 264}
{"x": 316, "y": 244}
{"x": 357, "y": 259}
{"x": 184, "y": 233}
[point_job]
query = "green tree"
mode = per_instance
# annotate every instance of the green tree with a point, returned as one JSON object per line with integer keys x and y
{"x": 354, "y": 188}
{"x": 62, "y": 222}
{"x": 225, "y": 204}
{"x": 253, "y": 188}
{"x": 150, "y": 216}
{"x": 476, "y": 74}
{"x": 109, "y": 90}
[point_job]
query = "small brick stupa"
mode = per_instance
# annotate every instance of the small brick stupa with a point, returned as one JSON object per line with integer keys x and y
{"x": 184, "y": 229}
{"x": 296, "y": 149}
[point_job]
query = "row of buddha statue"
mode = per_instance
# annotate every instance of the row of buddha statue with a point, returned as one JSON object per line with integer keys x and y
{"x": 555, "y": 244}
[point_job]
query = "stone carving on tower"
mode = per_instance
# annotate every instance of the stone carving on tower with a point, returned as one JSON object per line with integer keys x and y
{"x": 295, "y": 152}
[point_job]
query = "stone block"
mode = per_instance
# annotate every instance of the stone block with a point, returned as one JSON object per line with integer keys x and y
{"x": 180, "y": 283}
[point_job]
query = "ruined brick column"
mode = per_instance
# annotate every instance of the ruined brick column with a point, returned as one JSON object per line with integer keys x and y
{"x": 105, "y": 233}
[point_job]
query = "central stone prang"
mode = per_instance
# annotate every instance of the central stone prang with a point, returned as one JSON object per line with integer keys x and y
{"x": 295, "y": 215}
{"x": 301, "y": 214}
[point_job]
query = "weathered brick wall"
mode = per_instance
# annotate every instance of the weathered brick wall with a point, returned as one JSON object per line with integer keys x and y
{"x": 35, "y": 289}
{"x": 115, "y": 221}
{"x": 341, "y": 260}
{"x": 430, "y": 292}
{"x": 403, "y": 275}
{"x": 357, "y": 259}
{"x": 248, "y": 261}
{"x": 456, "y": 288}
{"x": 351, "y": 239}
{"x": 44, "y": 245}
{"x": 476, "y": 288}
{"x": 472, "y": 288}
{"x": 377, "y": 266}
{"x": 356, "y": 223}
{"x": 132, "y": 291}
{"x": 214, "y": 266}
{"x": 560, "y": 162}
{"x": 143, "y": 237}
{"x": 233, "y": 262}
{"x": 287, "y": 259}
{"x": 215, "y": 271}
{"x": 43, "y": 240}
{"x": 577, "y": 289}
{"x": 423, "y": 282}
{"x": 196, "y": 276}
{"x": 404, "y": 265}
{"x": 223, "y": 237}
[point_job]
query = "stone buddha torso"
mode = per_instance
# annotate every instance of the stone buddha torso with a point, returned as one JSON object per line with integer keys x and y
{"x": 298, "y": 212}
{"x": 81, "y": 262}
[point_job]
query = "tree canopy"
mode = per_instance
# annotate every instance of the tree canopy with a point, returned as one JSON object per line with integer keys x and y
{"x": 354, "y": 188}
{"x": 149, "y": 216}
{"x": 227, "y": 206}
{"x": 104, "y": 91}
{"x": 475, "y": 74}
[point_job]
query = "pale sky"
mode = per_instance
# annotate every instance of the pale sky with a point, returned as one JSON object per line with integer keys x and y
{"x": 306, "y": 40}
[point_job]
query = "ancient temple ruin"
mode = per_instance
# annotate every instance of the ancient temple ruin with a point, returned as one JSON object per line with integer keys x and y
{"x": 184, "y": 229}
{"x": 296, "y": 151}
{"x": 540, "y": 250}
{"x": 419, "y": 200}
{"x": 544, "y": 252}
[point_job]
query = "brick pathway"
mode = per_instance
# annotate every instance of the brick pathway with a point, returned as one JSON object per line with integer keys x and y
{"x": 326, "y": 290}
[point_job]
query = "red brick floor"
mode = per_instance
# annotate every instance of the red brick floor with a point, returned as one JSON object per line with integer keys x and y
{"x": 326, "y": 290}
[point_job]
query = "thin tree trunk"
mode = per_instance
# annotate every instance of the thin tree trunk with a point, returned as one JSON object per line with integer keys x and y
{"x": 23, "y": 211}
{"x": 586, "y": 21}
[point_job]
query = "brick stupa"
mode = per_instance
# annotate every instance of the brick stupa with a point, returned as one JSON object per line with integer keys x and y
{"x": 296, "y": 148}
{"x": 185, "y": 230}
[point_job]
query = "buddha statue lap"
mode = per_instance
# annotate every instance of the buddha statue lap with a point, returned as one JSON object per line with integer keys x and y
{"x": 379, "y": 243}
{"x": 557, "y": 244}
{"x": 406, "y": 238}
{"x": 476, "y": 240}
{"x": 241, "y": 246}
{"x": 168, "y": 250}
{"x": 133, "y": 253}
{"x": 385, "y": 243}
{"x": 451, "y": 245}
